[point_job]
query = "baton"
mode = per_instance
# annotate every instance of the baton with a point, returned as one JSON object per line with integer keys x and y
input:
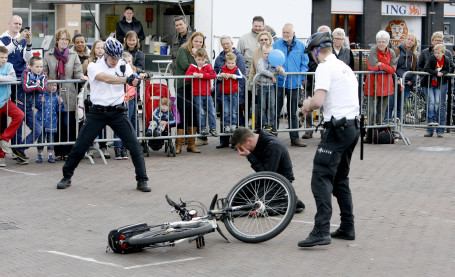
{"x": 362, "y": 134}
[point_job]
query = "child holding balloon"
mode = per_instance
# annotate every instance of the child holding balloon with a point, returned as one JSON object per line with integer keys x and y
{"x": 266, "y": 94}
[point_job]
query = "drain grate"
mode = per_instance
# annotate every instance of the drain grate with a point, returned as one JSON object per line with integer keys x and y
{"x": 8, "y": 226}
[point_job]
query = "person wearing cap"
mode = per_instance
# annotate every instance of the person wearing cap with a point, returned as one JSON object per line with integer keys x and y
{"x": 107, "y": 78}
{"x": 336, "y": 88}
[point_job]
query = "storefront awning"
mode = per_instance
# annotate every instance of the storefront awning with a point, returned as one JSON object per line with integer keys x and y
{"x": 116, "y": 1}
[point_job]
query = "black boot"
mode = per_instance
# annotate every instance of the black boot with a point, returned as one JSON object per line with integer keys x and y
{"x": 299, "y": 207}
{"x": 142, "y": 186}
{"x": 64, "y": 183}
{"x": 343, "y": 234}
{"x": 314, "y": 239}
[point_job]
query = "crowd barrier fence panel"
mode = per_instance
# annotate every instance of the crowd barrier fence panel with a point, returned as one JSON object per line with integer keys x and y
{"x": 415, "y": 109}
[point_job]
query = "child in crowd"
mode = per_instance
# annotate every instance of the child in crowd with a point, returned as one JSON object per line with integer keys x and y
{"x": 48, "y": 105}
{"x": 230, "y": 87}
{"x": 266, "y": 92}
{"x": 132, "y": 45}
{"x": 203, "y": 73}
{"x": 7, "y": 74}
{"x": 34, "y": 82}
{"x": 162, "y": 117}
{"x": 438, "y": 66}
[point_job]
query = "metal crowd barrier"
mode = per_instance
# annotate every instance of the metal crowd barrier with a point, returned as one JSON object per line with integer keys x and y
{"x": 412, "y": 110}
{"x": 272, "y": 109}
{"x": 414, "y": 107}
{"x": 380, "y": 110}
{"x": 372, "y": 106}
{"x": 70, "y": 104}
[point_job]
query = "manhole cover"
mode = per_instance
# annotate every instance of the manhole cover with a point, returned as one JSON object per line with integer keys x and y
{"x": 8, "y": 226}
{"x": 435, "y": 149}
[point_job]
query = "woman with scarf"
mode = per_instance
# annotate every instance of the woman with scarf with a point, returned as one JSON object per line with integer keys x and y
{"x": 379, "y": 86}
{"x": 62, "y": 63}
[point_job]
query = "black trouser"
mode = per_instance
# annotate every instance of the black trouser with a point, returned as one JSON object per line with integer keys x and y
{"x": 66, "y": 131}
{"x": 330, "y": 175}
{"x": 95, "y": 121}
{"x": 186, "y": 109}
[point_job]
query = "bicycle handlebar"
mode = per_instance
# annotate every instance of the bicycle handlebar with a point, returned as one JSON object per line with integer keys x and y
{"x": 172, "y": 203}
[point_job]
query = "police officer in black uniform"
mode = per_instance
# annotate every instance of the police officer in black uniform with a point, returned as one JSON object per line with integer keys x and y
{"x": 107, "y": 79}
{"x": 336, "y": 88}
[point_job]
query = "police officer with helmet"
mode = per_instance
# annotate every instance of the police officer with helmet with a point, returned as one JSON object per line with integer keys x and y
{"x": 107, "y": 79}
{"x": 336, "y": 89}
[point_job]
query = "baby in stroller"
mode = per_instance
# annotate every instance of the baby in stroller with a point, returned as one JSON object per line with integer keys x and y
{"x": 162, "y": 119}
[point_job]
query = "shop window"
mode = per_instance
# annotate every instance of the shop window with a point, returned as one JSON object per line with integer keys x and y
{"x": 42, "y": 24}
{"x": 88, "y": 26}
{"x": 21, "y": 4}
{"x": 88, "y": 21}
{"x": 347, "y": 22}
{"x": 42, "y": 6}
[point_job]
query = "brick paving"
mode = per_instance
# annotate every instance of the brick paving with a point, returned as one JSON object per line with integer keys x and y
{"x": 404, "y": 203}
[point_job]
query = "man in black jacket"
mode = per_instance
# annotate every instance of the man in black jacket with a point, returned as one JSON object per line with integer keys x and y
{"x": 129, "y": 23}
{"x": 265, "y": 152}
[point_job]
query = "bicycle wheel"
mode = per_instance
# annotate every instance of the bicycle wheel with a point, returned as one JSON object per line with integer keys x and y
{"x": 278, "y": 197}
{"x": 158, "y": 234}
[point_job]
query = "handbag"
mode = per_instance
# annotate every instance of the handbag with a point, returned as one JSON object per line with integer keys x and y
{"x": 383, "y": 136}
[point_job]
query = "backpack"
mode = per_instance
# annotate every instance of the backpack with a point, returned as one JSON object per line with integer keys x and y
{"x": 382, "y": 136}
{"x": 118, "y": 238}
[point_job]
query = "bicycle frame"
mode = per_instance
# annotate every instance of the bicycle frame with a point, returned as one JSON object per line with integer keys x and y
{"x": 258, "y": 208}
{"x": 213, "y": 215}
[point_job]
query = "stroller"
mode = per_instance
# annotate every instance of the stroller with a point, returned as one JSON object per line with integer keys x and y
{"x": 153, "y": 94}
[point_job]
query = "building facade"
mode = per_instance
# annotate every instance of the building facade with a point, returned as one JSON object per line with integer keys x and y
{"x": 361, "y": 19}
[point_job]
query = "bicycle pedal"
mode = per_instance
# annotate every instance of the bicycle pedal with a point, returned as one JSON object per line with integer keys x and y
{"x": 200, "y": 242}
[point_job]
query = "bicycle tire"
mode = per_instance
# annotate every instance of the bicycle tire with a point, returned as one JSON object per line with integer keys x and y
{"x": 157, "y": 234}
{"x": 278, "y": 196}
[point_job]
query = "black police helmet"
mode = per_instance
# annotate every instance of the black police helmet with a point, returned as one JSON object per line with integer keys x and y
{"x": 319, "y": 39}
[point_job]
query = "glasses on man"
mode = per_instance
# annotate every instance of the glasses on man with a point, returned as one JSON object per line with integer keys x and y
{"x": 381, "y": 42}
{"x": 338, "y": 39}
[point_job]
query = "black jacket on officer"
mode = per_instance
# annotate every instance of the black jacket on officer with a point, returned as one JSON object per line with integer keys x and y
{"x": 270, "y": 154}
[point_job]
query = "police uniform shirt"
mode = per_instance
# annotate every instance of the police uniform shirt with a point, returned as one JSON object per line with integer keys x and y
{"x": 338, "y": 79}
{"x": 102, "y": 93}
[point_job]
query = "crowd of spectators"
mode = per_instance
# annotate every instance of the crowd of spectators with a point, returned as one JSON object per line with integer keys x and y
{"x": 237, "y": 64}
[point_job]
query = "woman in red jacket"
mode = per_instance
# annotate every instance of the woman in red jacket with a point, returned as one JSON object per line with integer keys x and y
{"x": 379, "y": 86}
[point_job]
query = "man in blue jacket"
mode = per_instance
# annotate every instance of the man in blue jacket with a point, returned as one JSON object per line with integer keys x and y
{"x": 289, "y": 85}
